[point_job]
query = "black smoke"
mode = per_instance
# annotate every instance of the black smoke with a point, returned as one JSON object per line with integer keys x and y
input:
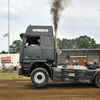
{"x": 57, "y": 6}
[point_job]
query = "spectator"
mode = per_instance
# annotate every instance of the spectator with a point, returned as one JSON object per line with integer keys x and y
{"x": 92, "y": 62}
{"x": 3, "y": 66}
{"x": 95, "y": 62}
{"x": 88, "y": 62}
{"x": 12, "y": 67}
{"x": 66, "y": 63}
{"x": 76, "y": 62}
{"x": 62, "y": 63}
{"x": 17, "y": 67}
{"x": 70, "y": 63}
{"x": 85, "y": 63}
{"x": 73, "y": 63}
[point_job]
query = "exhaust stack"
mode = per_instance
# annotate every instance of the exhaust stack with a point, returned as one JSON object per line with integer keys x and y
{"x": 57, "y": 6}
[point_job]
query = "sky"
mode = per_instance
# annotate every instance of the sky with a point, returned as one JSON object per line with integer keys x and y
{"x": 81, "y": 17}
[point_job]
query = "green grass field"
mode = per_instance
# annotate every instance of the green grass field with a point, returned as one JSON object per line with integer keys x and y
{"x": 12, "y": 76}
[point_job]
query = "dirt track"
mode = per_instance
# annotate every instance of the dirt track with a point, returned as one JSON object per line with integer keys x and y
{"x": 24, "y": 90}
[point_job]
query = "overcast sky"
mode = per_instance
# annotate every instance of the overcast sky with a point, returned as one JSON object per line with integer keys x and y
{"x": 81, "y": 17}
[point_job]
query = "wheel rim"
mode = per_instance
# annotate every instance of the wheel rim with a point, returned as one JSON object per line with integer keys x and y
{"x": 39, "y": 77}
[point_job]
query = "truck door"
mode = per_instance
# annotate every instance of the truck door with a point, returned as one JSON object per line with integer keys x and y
{"x": 47, "y": 47}
{"x": 32, "y": 49}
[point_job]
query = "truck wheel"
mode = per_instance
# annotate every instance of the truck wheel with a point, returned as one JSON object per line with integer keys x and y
{"x": 97, "y": 80}
{"x": 39, "y": 77}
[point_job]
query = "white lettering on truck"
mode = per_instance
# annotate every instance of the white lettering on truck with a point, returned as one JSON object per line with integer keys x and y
{"x": 40, "y": 30}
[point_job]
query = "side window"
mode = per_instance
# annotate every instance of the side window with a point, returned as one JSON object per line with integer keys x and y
{"x": 33, "y": 41}
{"x": 47, "y": 41}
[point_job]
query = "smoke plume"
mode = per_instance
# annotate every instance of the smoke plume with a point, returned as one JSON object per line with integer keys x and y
{"x": 57, "y": 6}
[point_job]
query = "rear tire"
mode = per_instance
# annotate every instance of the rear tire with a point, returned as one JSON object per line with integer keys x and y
{"x": 39, "y": 77}
{"x": 97, "y": 80}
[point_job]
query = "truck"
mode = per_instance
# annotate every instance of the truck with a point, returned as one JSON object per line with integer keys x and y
{"x": 38, "y": 60}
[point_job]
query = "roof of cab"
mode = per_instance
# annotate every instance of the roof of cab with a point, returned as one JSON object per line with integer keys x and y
{"x": 39, "y": 30}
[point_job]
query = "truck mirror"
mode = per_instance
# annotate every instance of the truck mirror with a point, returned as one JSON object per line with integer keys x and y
{"x": 24, "y": 41}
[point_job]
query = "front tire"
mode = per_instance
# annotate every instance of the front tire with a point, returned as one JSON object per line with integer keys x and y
{"x": 39, "y": 77}
{"x": 97, "y": 80}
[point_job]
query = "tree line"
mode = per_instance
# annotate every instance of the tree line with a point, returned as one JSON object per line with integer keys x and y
{"x": 82, "y": 42}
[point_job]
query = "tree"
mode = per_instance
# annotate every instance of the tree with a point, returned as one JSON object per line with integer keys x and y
{"x": 15, "y": 47}
{"x": 83, "y": 42}
{"x": 3, "y": 52}
{"x": 93, "y": 44}
{"x": 59, "y": 43}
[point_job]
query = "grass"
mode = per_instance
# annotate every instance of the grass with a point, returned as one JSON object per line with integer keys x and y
{"x": 12, "y": 76}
